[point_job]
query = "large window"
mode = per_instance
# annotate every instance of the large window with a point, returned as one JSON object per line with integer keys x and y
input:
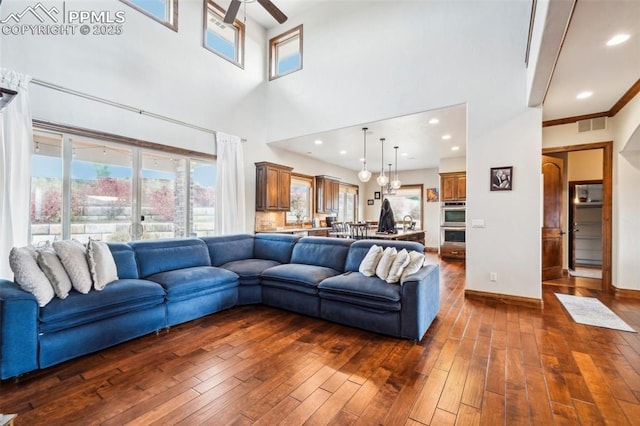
{"x": 225, "y": 40}
{"x": 407, "y": 201}
{"x": 285, "y": 53}
{"x": 301, "y": 196}
{"x": 163, "y": 11}
{"x": 83, "y": 188}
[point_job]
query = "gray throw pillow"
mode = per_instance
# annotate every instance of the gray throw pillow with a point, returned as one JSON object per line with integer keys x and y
{"x": 29, "y": 276}
{"x": 101, "y": 264}
{"x": 52, "y": 267}
{"x": 74, "y": 259}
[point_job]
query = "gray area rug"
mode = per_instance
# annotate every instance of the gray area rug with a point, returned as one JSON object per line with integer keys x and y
{"x": 590, "y": 311}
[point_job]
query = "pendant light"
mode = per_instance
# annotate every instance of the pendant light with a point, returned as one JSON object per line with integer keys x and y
{"x": 396, "y": 184}
{"x": 364, "y": 175}
{"x": 390, "y": 189}
{"x": 382, "y": 179}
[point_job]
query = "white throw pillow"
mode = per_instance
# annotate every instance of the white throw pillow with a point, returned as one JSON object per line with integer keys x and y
{"x": 416, "y": 261}
{"x": 397, "y": 267}
{"x": 74, "y": 259}
{"x": 388, "y": 256}
{"x": 101, "y": 264}
{"x": 27, "y": 274}
{"x": 52, "y": 267}
{"x": 370, "y": 261}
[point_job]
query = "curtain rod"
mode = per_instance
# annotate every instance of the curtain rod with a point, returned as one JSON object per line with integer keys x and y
{"x": 122, "y": 106}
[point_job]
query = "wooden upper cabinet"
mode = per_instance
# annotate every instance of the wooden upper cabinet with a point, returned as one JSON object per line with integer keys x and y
{"x": 453, "y": 186}
{"x": 327, "y": 194}
{"x": 273, "y": 187}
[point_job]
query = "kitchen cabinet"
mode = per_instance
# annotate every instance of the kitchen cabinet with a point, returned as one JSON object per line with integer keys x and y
{"x": 273, "y": 187}
{"x": 327, "y": 194}
{"x": 453, "y": 186}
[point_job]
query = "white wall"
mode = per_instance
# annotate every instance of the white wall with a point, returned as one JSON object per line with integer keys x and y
{"x": 368, "y": 63}
{"x": 621, "y": 130}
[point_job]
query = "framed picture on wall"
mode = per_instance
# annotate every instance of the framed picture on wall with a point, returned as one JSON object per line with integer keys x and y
{"x": 376, "y": 195}
{"x": 432, "y": 195}
{"x": 501, "y": 178}
{"x": 369, "y": 202}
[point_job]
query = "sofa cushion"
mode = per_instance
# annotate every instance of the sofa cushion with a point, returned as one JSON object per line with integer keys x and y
{"x": 321, "y": 251}
{"x": 186, "y": 283}
{"x": 296, "y": 275}
{"x": 357, "y": 289}
{"x": 228, "y": 248}
{"x": 119, "y": 297}
{"x": 73, "y": 255}
{"x": 28, "y": 275}
{"x": 125, "y": 259}
{"x": 249, "y": 268}
{"x": 155, "y": 256}
{"x": 276, "y": 247}
{"x": 384, "y": 265}
{"x": 360, "y": 248}
{"x": 101, "y": 264}
{"x": 370, "y": 261}
{"x": 397, "y": 267}
{"x": 52, "y": 267}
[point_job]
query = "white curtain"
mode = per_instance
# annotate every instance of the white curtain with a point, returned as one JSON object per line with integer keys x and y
{"x": 230, "y": 205}
{"x": 16, "y": 145}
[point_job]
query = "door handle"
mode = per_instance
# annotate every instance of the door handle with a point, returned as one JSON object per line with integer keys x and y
{"x": 562, "y": 232}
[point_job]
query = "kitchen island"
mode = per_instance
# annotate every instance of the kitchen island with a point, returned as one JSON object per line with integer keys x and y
{"x": 409, "y": 235}
{"x": 321, "y": 231}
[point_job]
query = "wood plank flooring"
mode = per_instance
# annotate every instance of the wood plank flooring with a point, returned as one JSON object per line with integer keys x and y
{"x": 481, "y": 363}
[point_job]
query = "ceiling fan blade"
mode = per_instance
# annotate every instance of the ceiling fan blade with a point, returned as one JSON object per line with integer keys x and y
{"x": 232, "y": 12}
{"x": 273, "y": 11}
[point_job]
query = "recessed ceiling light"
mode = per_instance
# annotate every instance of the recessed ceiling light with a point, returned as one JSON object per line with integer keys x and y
{"x": 617, "y": 39}
{"x": 318, "y": 142}
{"x": 584, "y": 95}
{"x": 343, "y": 152}
{"x": 434, "y": 121}
{"x": 362, "y": 160}
{"x": 455, "y": 148}
{"x": 404, "y": 154}
{"x": 446, "y": 137}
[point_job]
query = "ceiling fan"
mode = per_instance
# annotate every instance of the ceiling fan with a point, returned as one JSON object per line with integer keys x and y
{"x": 271, "y": 8}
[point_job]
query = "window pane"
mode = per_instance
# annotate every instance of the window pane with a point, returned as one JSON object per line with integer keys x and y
{"x": 223, "y": 39}
{"x": 300, "y": 200}
{"x": 288, "y": 54}
{"x": 157, "y": 8}
{"x": 347, "y": 206}
{"x": 163, "y": 202}
{"x": 46, "y": 188}
{"x": 100, "y": 192}
{"x": 203, "y": 198}
{"x": 407, "y": 201}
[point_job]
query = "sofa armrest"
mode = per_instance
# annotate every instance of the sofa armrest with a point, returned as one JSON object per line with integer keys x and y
{"x": 420, "y": 302}
{"x": 18, "y": 330}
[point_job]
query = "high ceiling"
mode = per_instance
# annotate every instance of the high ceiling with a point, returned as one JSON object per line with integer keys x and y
{"x": 585, "y": 63}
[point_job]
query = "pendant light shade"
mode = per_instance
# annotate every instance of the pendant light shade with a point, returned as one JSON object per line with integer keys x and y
{"x": 382, "y": 179}
{"x": 364, "y": 175}
{"x": 395, "y": 183}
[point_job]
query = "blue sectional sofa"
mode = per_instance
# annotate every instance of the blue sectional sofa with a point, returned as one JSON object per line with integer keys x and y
{"x": 167, "y": 282}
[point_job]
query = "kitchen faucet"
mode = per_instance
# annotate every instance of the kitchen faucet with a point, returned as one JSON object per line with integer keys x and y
{"x": 404, "y": 222}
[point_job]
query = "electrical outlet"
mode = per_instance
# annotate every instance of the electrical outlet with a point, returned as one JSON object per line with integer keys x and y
{"x": 493, "y": 276}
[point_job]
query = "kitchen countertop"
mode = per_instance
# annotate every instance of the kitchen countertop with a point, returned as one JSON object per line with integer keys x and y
{"x": 397, "y": 236}
{"x": 294, "y": 230}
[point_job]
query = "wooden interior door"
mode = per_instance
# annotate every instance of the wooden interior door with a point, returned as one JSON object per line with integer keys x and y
{"x": 552, "y": 233}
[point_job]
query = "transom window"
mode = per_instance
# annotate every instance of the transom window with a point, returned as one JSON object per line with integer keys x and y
{"x": 225, "y": 40}
{"x": 163, "y": 11}
{"x": 285, "y": 53}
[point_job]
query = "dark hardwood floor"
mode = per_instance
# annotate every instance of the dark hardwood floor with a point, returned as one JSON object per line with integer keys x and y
{"x": 481, "y": 362}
